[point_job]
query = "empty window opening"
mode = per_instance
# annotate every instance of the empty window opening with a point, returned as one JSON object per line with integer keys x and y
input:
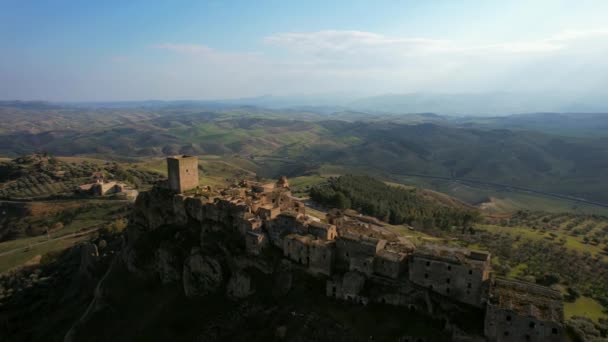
{"x": 508, "y": 318}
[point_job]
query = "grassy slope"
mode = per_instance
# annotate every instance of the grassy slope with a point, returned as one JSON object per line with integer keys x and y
{"x": 93, "y": 217}
{"x": 585, "y": 307}
{"x": 574, "y": 243}
{"x": 13, "y": 260}
{"x": 501, "y": 201}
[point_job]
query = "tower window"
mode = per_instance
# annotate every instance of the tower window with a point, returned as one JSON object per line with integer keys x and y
{"x": 426, "y": 275}
{"x": 449, "y": 267}
{"x": 428, "y": 263}
{"x": 554, "y": 331}
{"x": 447, "y": 280}
{"x": 470, "y": 272}
{"x": 532, "y": 325}
{"x": 508, "y": 318}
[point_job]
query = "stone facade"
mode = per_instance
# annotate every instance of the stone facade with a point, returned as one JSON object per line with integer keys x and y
{"x": 390, "y": 264}
{"x": 518, "y": 311}
{"x": 323, "y": 230}
{"x": 356, "y": 247}
{"x": 295, "y": 248}
{"x": 183, "y": 173}
{"x": 453, "y": 272}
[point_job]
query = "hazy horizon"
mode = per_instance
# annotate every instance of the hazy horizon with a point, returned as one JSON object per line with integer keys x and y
{"x": 111, "y": 51}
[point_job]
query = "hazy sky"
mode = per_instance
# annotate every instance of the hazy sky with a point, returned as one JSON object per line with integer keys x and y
{"x": 135, "y": 50}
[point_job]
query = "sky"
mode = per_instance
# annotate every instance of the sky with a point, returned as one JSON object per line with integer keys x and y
{"x": 173, "y": 50}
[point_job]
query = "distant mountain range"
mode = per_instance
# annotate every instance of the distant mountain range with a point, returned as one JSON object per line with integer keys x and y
{"x": 465, "y": 104}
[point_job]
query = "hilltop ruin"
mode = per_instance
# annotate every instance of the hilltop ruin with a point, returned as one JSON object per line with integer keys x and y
{"x": 359, "y": 260}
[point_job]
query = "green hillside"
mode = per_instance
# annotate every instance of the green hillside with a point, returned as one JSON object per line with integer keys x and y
{"x": 301, "y": 143}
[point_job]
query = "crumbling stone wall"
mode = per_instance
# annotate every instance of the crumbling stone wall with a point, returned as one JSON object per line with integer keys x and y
{"x": 390, "y": 264}
{"x": 348, "y": 247}
{"x": 508, "y": 326}
{"x": 462, "y": 282}
{"x": 321, "y": 256}
{"x": 295, "y": 247}
{"x": 322, "y": 230}
{"x": 518, "y": 311}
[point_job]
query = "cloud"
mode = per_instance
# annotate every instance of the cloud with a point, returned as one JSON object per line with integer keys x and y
{"x": 367, "y": 62}
{"x": 323, "y": 43}
{"x": 185, "y": 48}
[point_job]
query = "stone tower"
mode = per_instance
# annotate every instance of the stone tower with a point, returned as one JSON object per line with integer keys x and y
{"x": 183, "y": 172}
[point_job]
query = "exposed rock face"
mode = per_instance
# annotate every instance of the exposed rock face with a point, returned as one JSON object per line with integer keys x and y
{"x": 202, "y": 275}
{"x": 88, "y": 257}
{"x": 153, "y": 209}
{"x": 166, "y": 265}
{"x": 194, "y": 208}
{"x": 180, "y": 211}
{"x": 239, "y": 285}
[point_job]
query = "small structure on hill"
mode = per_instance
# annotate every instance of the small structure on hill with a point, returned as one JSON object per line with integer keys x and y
{"x": 183, "y": 173}
{"x": 282, "y": 182}
{"x": 103, "y": 187}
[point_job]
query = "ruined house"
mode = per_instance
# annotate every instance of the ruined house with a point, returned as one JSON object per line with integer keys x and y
{"x": 453, "y": 272}
{"x": 519, "y": 311}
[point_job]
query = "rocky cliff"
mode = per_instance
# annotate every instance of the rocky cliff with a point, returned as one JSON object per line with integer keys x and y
{"x": 183, "y": 274}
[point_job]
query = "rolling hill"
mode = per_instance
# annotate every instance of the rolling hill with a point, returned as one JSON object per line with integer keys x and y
{"x": 298, "y": 143}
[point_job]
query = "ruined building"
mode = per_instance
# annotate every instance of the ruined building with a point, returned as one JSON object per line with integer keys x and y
{"x": 103, "y": 187}
{"x": 362, "y": 262}
{"x": 183, "y": 173}
{"x": 282, "y": 182}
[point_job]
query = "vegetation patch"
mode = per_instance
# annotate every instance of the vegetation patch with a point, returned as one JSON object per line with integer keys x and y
{"x": 391, "y": 204}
